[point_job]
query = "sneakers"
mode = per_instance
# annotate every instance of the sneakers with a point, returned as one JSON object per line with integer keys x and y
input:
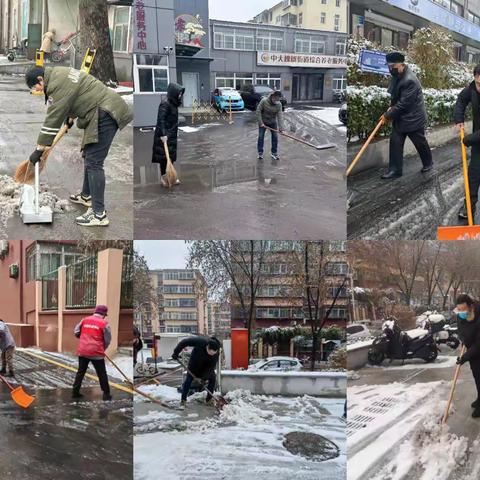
{"x": 77, "y": 395}
{"x": 462, "y": 213}
{"x": 183, "y": 404}
{"x": 81, "y": 200}
{"x": 426, "y": 169}
{"x": 390, "y": 175}
{"x": 275, "y": 156}
{"x": 91, "y": 219}
{"x": 209, "y": 402}
{"x": 164, "y": 181}
{"x": 260, "y": 156}
{"x": 107, "y": 397}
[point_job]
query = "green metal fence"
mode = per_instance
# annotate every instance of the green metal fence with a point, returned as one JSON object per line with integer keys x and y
{"x": 126, "y": 294}
{"x": 82, "y": 284}
{"x": 50, "y": 291}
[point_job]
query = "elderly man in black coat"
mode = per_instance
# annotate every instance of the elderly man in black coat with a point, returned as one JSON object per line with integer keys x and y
{"x": 166, "y": 130}
{"x": 407, "y": 114}
{"x": 471, "y": 94}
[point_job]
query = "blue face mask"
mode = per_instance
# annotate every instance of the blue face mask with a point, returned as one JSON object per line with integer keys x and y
{"x": 463, "y": 315}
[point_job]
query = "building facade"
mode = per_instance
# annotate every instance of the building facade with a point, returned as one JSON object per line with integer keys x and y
{"x": 218, "y": 319}
{"x": 280, "y": 300}
{"x": 328, "y": 15}
{"x": 182, "y": 297}
{"x": 394, "y": 22}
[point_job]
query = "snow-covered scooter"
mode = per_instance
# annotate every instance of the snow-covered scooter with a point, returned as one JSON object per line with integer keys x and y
{"x": 396, "y": 344}
{"x": 436, "y": 324}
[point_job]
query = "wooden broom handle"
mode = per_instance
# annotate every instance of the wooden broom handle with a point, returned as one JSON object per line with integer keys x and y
{"x": 452, "y": 390}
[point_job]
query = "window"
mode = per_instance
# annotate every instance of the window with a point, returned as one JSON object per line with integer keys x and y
{"x": 178, "y": 289}
{"x": 307, "y": 44}
{"x": 339, "y": 83}
{"x": 337, "y": 3}
{"x": 269, "y": 41}
{"x": 233, "y": 39}
{"x": 270, "y": 79}
{"x": 337, "y": 268}
{"x": 333, "y": 290}
{"x": 121, "y": 29}
{"x": 151, "y": 73}
{"x": 300, "y": 18}
{"x": 233, "y": 80}
{"x": 323, "y": 17}
{"x": 338, "y": 312}
{"x": 338, "y": 246}
{"x": 337, "y": 23}
{"x": 324, "y": 2}
{"x": 181, "y": 275}
{"x": 340, "y": 48}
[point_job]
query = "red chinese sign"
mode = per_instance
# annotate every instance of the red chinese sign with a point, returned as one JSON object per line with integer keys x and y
{"x": 140, "y": 24}
{"x": 301, "y": 60}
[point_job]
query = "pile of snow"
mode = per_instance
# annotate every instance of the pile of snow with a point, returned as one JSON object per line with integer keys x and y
{"x": 162, "y": 392}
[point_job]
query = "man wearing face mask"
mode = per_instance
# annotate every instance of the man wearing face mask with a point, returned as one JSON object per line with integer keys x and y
{"x": 408, "y": 116}
{"x": 468, "y": 314}
{"x": 471, "y": 94}
{"x": 269, "y": 114}
{"x": 166, "y": 131}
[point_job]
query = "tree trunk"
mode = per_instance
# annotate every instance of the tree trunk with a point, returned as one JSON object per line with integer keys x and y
{"x": 95, "y": 33}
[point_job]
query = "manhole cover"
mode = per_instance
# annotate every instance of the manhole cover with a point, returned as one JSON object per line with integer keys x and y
{"x": 310, "y": 445}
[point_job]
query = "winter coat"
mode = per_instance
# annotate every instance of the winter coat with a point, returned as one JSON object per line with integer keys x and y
{"x": 95, "y": 337}
{"x": 469, "y": 334}
{"x": 408, "y": 113}
{"x": 47, "y": 42}
{"x": 167, "y": 125}
{"x": 201, "y": 364}
{"x": 77, "y": 94}
{"x": 6, "y": 338}
{"x": 469, "y": 95}
{"x": 268, "y": 113}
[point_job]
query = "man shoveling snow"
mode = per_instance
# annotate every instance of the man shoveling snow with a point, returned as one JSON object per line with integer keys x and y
{"x": 203, "y": 360}
{"x": 7, "y": 347}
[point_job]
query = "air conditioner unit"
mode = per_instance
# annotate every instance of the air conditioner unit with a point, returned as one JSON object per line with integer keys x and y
{"x": 3, "y": 249}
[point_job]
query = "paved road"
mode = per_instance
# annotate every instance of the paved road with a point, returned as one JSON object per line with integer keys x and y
{"x": 59, "y": 438}
{"x": 408, "y": 208}
{"x": 21, "y": 116}
{"x": 227, "y": 193}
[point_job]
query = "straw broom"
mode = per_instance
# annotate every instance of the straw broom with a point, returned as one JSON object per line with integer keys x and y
{"x": 172, "y": 176}
{"x": 25, "y": 173}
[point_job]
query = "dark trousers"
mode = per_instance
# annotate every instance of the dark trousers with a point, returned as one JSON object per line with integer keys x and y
{"x": 101, "y": 370}
{"x": 474, "y": 173}
{"x": 188, "y": 383}
{"x": 475, "y": 367}
{"x": 94, "y": 155}
{"x": 397, "y": 142}
{"x": 261, "y": 138}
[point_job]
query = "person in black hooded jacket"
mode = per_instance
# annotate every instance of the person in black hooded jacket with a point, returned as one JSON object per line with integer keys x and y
{"x": 203, "y": 360}
{"x": 468, "y": 314}
{"x": 471, "y": 94}
{"x": 166, "y": 130}
{"x": 408, "y": 116}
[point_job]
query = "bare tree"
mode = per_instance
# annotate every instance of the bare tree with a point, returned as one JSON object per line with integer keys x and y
{"x": 430, "y": 268}
{"x": 406, "y": 260}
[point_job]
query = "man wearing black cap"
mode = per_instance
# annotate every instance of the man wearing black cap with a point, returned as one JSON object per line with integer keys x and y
{"x": 471, "y": 94}
{"x": 203, "y": 360}
{"x": 407, "y": 114}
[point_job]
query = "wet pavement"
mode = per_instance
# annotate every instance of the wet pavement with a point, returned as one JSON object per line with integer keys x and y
{"x": 227, "y": 193}
{"x": 60, "y": 438}
{"x": 21, "y": 118}
{"x": 411, "y": 207}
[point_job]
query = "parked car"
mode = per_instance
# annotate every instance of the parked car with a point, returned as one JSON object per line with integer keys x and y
{"x": 277, "y": 364}
{"x": 222, "y": 98}
{"x": 357, "y": 330}
{"x": 252, "y": 94}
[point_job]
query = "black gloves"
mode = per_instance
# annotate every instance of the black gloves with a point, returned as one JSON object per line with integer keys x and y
{"x": 36, "y": 156}
{"x": 472, "y": 139}
{"x": 69, "y": 122}
{"x": 460, "y": 360}
{"x": 175, "y": 356}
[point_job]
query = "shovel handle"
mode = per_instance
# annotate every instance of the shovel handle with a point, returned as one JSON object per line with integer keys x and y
{"x": 6, "y": 383}
{"x": 290, "y": 136}
{"x": 130, "y": 382}
{"x": 465, "y": 178}
{"x": 195, "y": 378}
{"x": 365, "y": 145}
{"x": 452, "y": 390}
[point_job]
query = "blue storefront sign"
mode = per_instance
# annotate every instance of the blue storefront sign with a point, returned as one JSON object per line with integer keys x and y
{"x": 373, "y": 62}
{"x": 439, "y": 15}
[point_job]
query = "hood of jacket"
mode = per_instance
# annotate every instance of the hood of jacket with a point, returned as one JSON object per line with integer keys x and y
{"x": 173, "y": 91}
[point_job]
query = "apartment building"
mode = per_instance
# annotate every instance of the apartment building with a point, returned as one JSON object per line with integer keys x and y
{"x": 327, "y": 15}
{"x": 218, "y": 319}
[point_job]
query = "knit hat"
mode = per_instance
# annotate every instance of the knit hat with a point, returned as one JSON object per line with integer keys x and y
{"x": 101, "y": 310}
{"x": 31, "y": 77}
{"x": 214, "y": 344}
{"x": 395, "y": 57}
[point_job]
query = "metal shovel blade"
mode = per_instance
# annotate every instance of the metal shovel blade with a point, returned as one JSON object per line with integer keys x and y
{"x": 325, "y": 146}
{"x": 21, "y": 397}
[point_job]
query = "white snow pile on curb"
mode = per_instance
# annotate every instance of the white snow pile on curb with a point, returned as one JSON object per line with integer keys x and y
{"x": 162, "y": 392}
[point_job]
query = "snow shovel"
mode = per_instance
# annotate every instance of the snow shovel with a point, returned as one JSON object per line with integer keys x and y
{"x": 24, "y": 173}
{"x": 172, "y": 176}
{"x": 452, "y": 390}
{"x": 220, "y": 401}
{"x": 365, "y": 145}
{"x": 318, "y": 147}
{"x": 461, "y": 232}
{"x": 19, "y": 395}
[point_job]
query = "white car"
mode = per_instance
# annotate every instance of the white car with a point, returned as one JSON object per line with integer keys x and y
{"x": 277, "y": 364}
{"x": 357, "y": 330}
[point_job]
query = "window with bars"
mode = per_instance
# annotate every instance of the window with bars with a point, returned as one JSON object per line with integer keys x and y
{"x": 150, "y": 73}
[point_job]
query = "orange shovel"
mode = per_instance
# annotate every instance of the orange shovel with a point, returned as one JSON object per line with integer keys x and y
{"x": 19, "y": 395}
{"x": 461, "y": 232}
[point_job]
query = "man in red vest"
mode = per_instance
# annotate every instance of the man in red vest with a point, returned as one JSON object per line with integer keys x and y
{"x": 95, "y": 337}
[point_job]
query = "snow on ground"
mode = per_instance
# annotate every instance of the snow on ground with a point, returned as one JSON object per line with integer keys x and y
{"x": 328, "y": 115}
{"x": 162, "y": 392}
{"x": 244, "y": 439}
{"x": 188, "y": 129}
{"x": 442, "y": 361}
{"x": 394, "y": 430}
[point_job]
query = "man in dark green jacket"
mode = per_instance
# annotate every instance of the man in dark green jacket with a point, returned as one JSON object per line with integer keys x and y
{"x": 269, "y": 114}
{"x": 74, "y": 94}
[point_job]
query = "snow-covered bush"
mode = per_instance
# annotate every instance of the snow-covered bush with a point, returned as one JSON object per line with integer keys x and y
{"x": 338, "y": 358}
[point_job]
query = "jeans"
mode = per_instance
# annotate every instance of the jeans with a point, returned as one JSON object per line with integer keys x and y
{"x": 7, "y": 359}
{"x": 474, "y": 173}
{"x": 261, "y": 138}
{"x": 397, "y": 142}
{"x": 188, "y": 383}
{"x": 101, "y": 370}
{"x": 94, "y": 155}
